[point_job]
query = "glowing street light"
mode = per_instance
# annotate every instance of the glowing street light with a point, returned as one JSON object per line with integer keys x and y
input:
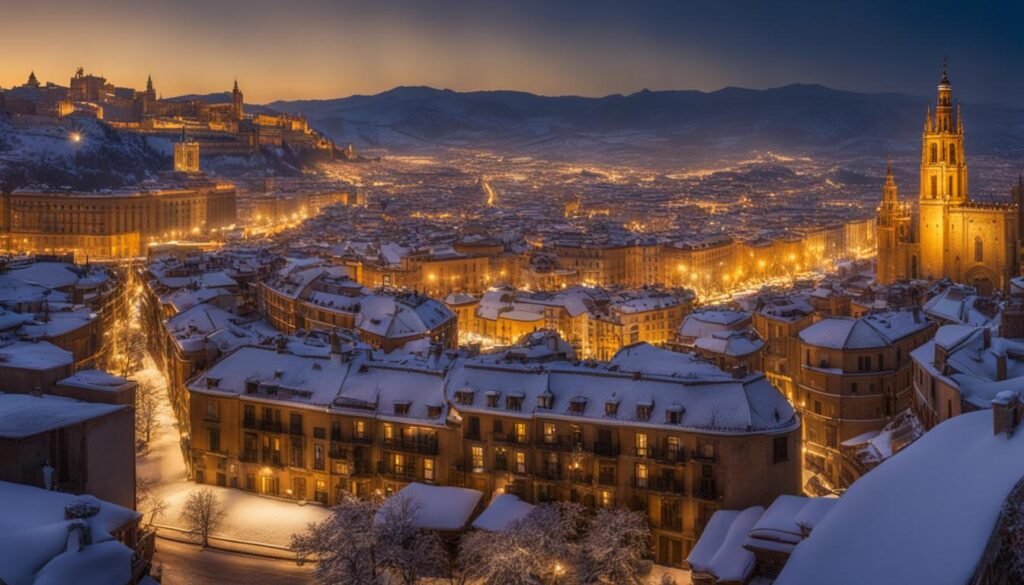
{"x": 75, "y": 137}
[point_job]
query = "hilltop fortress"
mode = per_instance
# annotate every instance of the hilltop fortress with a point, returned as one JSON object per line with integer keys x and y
{"x": 219, "y": 126}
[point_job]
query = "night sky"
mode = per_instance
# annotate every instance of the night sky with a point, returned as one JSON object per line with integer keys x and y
{"x": 288, "y": 49}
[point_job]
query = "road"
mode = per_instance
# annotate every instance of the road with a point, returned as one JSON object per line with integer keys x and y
{"x": 188, "y": 564}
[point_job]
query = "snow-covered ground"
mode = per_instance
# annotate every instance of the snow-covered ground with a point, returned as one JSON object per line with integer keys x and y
{"x": 249, "y": 517}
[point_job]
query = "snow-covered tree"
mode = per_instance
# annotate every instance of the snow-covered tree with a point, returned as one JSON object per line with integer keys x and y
{"x": 350, "y": 546}
{"x": 531, "y": 551}
{"x": 202, "y": 513}
{"x": 405, "y": 550}
{"x": 614, "y": 548}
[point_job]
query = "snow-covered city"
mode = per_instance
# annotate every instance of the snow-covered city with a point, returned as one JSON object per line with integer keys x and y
{"x": 492, "y": 293}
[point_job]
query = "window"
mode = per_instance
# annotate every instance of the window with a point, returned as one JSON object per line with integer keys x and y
{"x": 643, "y": 411}
{"x": 360, "y": 429}
{"x": 520, "y": 429}
{"x": 478, "y": 458}
{"x": 641, "y": 444}
{"x": 295, "y": 423}
{"x": 298, "y": 457}
{"x": 607, "y": 500}
{"x": 544, "y": 401}
{"x": 952, "y": 154}
{"x": 212, "y": 410}
{"x": 318, "y": 457}
{"x": 492, "y": 399}
{"x": 514, "y": 403}
{"x": 641, "y": 475}
{"x": 780, "y": 450}
{"x": 935, "y": 153}
{"x": 249, "y": 415}
{"x": 949, "y": 191}
{"x": 577, "y": 405}
{"x": 214, "y": 435}
{"x": 520, "y": 462}
{"x": 497, "y": 426}
{"x": 611, "y": 408}
{"x": 428, "y": 469}
{"x": 473, "y": 431}
{"x": 389, "y": 432}
{"x": 319, "y": 433}
{"x": 935, "y": 186}
{"x": 979, "y": 249}
{"x": 830, "y": 437}
{"x": 549, "y": 433}
{"x": 674, "y": 415}
{"x": 817, "y": 407}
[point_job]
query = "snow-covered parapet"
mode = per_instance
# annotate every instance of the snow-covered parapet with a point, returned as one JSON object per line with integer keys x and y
{"x": 719, "y": 554}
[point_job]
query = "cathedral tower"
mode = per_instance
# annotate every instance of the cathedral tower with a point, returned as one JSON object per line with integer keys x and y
{"x": 943, "y": 180}
{"x": 893, "y": 229}
{"x": 236, "y": 102}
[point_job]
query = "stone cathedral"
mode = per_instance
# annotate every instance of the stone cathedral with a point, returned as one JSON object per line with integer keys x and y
{"x": 949, "y": 235}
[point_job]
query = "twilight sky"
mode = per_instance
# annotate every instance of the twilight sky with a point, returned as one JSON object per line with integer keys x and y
{"x": 289, "y": 49}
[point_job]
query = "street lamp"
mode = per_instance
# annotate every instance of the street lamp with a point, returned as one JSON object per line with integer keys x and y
{"x": 556, "y": 571}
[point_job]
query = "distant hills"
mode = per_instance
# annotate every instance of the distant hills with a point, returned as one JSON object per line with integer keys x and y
{"x": 652, "y": 124}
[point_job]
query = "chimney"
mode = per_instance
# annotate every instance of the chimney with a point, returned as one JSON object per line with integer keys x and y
{"x": 740, "y": 371}
{"x": 986, "y": 337}
{"x": 1000, "y": 366}
{"x": 281, "y": 344}
{"x": 1005, "y": 413}
{"x": 917, "y": 314}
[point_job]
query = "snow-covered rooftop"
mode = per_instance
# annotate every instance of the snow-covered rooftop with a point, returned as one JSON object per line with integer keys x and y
{"x": 24, "y": 415}
{"x": 871, "y": 331}
{"x": 503, "y": 511}
{"x": 437, "y": 507}
{"x": 923, "y": 516}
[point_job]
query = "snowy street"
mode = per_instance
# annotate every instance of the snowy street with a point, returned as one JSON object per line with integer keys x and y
{"x": 188, "y": 564}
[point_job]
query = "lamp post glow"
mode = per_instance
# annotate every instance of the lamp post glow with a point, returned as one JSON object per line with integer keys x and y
{"x": 75, "y": 137}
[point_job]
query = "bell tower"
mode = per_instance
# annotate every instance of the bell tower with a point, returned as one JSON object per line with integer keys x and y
{"x": 943, "y": 179}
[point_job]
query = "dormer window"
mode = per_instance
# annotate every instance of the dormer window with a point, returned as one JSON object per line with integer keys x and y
{"x": 464, "y": 397}
{"x": 643, "y": 411}
{"x": 674, "y": 415}
{"x": 611, "y": 408}
{"x": 252, "y": 386}
{"x": 433, "y": 411}
{"x": 212, "y": 382}
{"x": 578, "y": 405}
{"x": 402, "y": 408}
{"x": 545, "y": 400}
{"x": 492, "y": 399}
{"x": 514, "y": 402}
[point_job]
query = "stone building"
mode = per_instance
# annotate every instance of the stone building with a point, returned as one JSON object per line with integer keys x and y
{"x": 854, "y": 377}
{"x": 662, "y": 432}
{"x": 952, "y": 235}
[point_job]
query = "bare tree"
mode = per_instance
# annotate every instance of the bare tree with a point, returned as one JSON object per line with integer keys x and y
{"x": 148, "y": 502}
{"x": 615, "y": 548}
{"x": 147, "y": 410}
{"x": 202, "y": 514}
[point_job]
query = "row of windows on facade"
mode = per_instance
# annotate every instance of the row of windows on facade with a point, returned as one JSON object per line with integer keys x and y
{"x": 577, "y": 405}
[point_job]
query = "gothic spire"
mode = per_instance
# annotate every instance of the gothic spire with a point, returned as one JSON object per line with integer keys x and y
{"x": 945, "y": 75}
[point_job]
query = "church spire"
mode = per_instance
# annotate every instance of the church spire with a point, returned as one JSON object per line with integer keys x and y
{"x": 945, "y": 72}
{"x": 149, "y": 83}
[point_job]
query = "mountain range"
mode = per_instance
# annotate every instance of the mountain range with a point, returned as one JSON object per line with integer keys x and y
{"x": 651, "y": 124}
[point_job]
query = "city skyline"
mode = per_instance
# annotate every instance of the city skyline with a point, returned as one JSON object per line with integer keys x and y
{"x": 320, "y": 50}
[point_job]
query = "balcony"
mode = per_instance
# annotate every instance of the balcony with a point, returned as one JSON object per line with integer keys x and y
{"x": 262, "y": 425}
{"x": 581, "y": 478}
{"x": 405, "y": 472}
{"x": 510, "y": 439}
{"x": 666, "y": 455}
{"x": 661, "y": 485}
{"x": 702, "y": 457}
{"x": 361, "y": 469}
{"x": 248, "y": 456}
{"x": 272, "y": 458}
{"x": 351, "y": 438}
{"x": 672, "y": 524}
{"x": 550, "y": 473}
{"x": 471, "y": 435}
{"x": 606, "y": 479}
{"x": 421, "y": 446}
{"x": 707, "y": 490}
{"x": 295, "y": 429}
{"x": 560, "y": 443}
{"x": 606, "y": 449}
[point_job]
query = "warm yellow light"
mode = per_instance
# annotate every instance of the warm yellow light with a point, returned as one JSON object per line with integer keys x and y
{"x": 75, "y": 137}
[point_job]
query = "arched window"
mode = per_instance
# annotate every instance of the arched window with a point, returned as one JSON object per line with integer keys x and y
{"x": 979, "y": 249}
{"x": 952, "y": 154}
{"x": 913, "y": 267}
{"x": 935, "y": 186}
{"x": 935, "y": 153}
{"x": 951, "y": 194}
